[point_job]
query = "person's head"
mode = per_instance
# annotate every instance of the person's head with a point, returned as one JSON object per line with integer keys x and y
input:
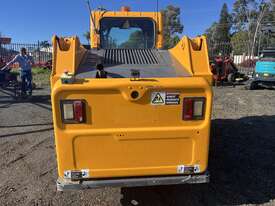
{"x": 100, "y": 67}
{"x": 23, "y": 51}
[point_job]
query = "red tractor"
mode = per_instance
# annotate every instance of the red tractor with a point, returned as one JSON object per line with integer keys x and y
{"x": 47, "y": 65}
{"x": 224, "y": 70}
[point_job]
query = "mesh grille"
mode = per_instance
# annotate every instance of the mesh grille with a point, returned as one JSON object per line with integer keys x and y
{"x": 131, "y": 56}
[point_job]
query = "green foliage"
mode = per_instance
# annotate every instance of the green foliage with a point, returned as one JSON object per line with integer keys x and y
{"x": 112, "y": 43}
{"x": 211, "y": 32}
{"x": 244, "y": 11}
{"x": 249, "y": 16}
{"x": 219, "y": 33}
{"x": 39, "y": 70}
{"x": 136, "y": 40}
{"x": 44, "y": 44}
{"x": 242, "y": 28}
{"x": 239, "y": 42}
{"x": 172, "y": 26}
{"x": 40, "y": 75}
{"x": 224, "y": 25}
{"x": 87, "y": 36}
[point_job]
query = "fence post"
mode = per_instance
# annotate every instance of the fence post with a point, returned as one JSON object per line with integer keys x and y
{"x": 39, "y": 58}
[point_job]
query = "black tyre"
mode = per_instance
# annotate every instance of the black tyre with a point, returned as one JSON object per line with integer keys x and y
{"x": 253, "y": 86}
{"x": 231, "y": 78}
{"x": 16, "y": 90}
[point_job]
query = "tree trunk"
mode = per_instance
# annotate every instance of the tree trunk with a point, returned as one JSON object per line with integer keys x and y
{"x": 259, "y": 21}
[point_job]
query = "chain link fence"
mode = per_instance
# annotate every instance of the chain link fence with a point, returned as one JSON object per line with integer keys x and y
{"x": 41, "y": 53}
{"x": 237, "y": 51}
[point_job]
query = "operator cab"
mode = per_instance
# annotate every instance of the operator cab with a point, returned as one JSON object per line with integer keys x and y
{"x": 268, "y": 55}
{"x": 126, "y": 29}
{"x": 127, "y": 33}
{"x": 124, "y": 41}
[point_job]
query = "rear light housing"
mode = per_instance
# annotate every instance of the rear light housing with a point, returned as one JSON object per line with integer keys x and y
{"x": 73, "y": 111}
{"x": 193, "y": 108}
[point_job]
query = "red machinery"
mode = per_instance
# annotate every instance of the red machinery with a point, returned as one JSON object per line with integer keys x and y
{"x": 224, "y": 70}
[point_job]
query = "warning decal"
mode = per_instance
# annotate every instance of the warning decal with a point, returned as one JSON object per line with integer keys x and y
{"x": 165, "y": 98}
{"x": 158, "y": 98}
{"x": 172, "y": 98}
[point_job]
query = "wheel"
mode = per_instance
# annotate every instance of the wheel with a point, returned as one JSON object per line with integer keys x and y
{"x": 16, "y": 90}
{"x": 216, "y": 83}
{"x": 253, "y": 86}
{"x": 231, "y": 78}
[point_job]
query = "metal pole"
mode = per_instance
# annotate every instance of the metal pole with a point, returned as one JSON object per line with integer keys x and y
{"x": 39, "y": 53}
{"x": 260, "y": 41}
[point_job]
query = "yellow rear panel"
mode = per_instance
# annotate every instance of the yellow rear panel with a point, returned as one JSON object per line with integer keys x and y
{"x": 124, "y": 137}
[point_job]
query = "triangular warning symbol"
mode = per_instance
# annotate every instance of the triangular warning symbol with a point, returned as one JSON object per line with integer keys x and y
{"x": 158, "y": 99}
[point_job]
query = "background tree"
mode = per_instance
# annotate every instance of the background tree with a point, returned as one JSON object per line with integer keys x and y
{"x": 242, "y": 29}
{"x": 136, "y": 40}
{"x": 219, "y": 35}
{"x": 247, "y": 17}
{"x": 224, "y": 25}
{"x": 239, "y": 42}
{"x": 110, "y": 43}
{"x": 87, "y": 36}
{"x": 172, "y": 26}
{"x": 211, "y": 32}
{"x": 45, "y": 44}
{"x": 223, "y": 31}
{"x": 243, "y": 13}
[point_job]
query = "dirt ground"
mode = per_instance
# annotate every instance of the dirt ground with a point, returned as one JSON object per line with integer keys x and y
{"x": 242, "y": 159}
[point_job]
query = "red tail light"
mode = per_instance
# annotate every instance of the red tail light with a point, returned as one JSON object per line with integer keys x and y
{"x": 193, "y": 108}
{"x": 73, "y": 111}
{"x": 188, "y": 109}
{"x": 78, "y": 111}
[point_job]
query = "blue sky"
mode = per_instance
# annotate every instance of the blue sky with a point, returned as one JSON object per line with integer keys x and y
{"x": 31, "y": 20}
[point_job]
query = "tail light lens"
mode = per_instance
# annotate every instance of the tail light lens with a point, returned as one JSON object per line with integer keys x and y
{"x": 193, "y": 108}
{"x": 73, "y": 111}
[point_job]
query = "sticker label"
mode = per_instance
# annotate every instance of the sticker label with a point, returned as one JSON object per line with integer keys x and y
{"x": 180, "y": 169}
{"x": 187, "y": 169}
{"x": 158, "y": 98}
{"x": 197, "y": 169}
{"x": 165, "y": 98}
{"x": 172, "y": 98}
{"x": 78, "y": 174}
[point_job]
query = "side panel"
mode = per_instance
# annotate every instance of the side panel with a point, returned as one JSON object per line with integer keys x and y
{"x": 192, "y": 54}
{"x": 124, "y": 137}
{"x": 67, "y": 55}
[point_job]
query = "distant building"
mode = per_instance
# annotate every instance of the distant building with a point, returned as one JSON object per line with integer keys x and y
{"x": 5, "y": 40}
